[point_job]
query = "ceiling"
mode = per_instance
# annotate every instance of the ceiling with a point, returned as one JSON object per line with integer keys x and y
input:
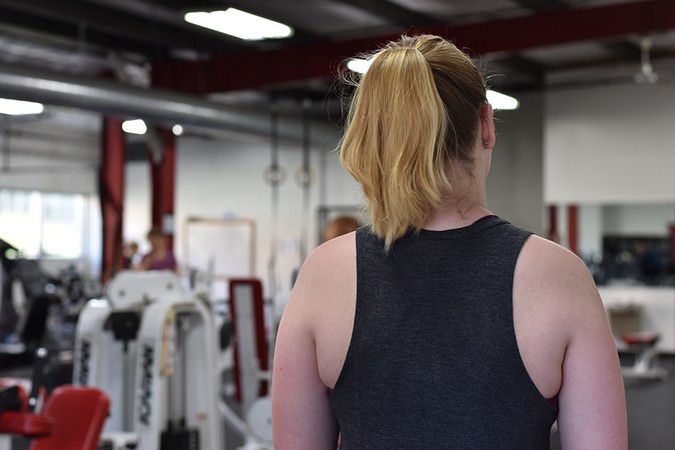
{"x": 524, "y": 45}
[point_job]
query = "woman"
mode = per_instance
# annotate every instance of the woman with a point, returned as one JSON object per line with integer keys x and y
{"x": 160, "y": 256}
{"x": 440, "y": 325}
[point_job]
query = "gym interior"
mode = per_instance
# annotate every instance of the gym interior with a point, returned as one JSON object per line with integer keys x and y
{"x": 145, "y": 124}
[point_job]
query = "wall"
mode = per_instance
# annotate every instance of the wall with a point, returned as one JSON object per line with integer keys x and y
{"x": 514, "y": 187}
{"x": 610, "y": 144}
{"x": 225, "y": 179}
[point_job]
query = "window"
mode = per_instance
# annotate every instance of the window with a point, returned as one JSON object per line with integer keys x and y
{"x": 43, "y": 225}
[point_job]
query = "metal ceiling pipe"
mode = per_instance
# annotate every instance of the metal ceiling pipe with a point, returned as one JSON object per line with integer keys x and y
{"x": 153, "y": 105}
{"x": 145, "y": 9}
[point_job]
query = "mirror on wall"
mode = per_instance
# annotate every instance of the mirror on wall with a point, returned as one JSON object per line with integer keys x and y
{"x": 628, "y": 243}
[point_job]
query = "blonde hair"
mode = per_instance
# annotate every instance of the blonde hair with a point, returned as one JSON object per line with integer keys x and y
{"x": 414, "y": 113}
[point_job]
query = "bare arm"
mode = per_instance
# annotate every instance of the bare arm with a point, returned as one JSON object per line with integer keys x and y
{"x": 301, "y": 414}
{"x": 592, "y": 411}
{"x": 592, "y": 399}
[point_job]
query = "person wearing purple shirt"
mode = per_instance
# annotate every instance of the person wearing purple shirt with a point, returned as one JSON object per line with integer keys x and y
{"x": 160, "y": 257}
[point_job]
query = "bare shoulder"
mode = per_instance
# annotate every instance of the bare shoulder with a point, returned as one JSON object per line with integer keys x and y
{"x": 544, "y": 257}
{"x": 330, "y": 257}
{"x": 552, "y": 273}
{"x": 327, "y": 273}
{"x": 554, "y": 293}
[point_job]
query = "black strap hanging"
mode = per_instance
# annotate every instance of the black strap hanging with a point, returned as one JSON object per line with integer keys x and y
{"x": 305, "y": 174}
{"x": 274, "y": 177}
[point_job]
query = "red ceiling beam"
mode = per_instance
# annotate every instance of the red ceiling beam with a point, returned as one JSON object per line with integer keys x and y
{"x": 256, "y": 69}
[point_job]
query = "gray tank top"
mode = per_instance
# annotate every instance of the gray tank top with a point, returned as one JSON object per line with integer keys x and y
{"x": 433, "y": 361}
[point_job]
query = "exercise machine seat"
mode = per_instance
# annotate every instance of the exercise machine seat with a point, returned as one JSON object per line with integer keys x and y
{"x": 646, "y": 339}
{"x": 15, "y": 417}
{"x": 78, "y": 413}
{"x": 26, "y": 424}
{"x": 646, "y": 355}
{"x": 22, "y": 387}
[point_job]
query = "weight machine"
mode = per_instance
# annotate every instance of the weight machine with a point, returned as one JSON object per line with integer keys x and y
{"x": 150, "y": 345}
{"x": 252, "y": 340}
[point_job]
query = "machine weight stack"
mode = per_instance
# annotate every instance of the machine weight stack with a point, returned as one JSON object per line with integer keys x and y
{"x": 177, "y": 435}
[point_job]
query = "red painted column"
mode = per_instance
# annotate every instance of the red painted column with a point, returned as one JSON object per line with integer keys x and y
{"x": 573, "y": 228}
{"x": 163, "y": 179}
{"x": 553, "y": 234}
{"x": 111, "y": 192}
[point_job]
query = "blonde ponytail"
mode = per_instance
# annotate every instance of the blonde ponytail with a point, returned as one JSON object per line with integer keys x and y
{"x": 402, "y": 133}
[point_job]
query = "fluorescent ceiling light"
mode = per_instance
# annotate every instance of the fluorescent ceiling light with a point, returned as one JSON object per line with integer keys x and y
{"x": 177, "y": 130}
{"x": 496, "y": 99}
{"x": 240, "y": 24}
{"x": 19, "y": 107}
{"x": 501, "y": 101}
{"x": 359, "y": 65}
{"x": 135, "y": 126}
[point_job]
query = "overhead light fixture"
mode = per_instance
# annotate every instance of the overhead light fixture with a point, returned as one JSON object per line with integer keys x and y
{"x": 135, "y": 126}
{"x": 177, "y": 130}
{"x": 496, "y": 99}
{"x": 501, "y": 101}
{"x": 359, "y": 65}
{"x": 240, "y": 24}
{"x": 19, "y": 107}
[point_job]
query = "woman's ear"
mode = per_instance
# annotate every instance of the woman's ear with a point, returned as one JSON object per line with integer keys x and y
{"x": 487, "y": 127}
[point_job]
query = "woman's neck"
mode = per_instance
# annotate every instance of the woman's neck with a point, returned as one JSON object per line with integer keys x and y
{"x": 456, "y": 216}
{"x": 460, "y": 210}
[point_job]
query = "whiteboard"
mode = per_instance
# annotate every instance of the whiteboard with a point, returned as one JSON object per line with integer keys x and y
{"x": 225, "y": 248}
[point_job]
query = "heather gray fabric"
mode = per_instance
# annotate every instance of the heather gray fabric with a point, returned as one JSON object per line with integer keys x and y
{"x": 433, "y": 361}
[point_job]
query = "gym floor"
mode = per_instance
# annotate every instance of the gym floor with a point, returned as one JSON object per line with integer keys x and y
{"x": 651, "y": 409}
